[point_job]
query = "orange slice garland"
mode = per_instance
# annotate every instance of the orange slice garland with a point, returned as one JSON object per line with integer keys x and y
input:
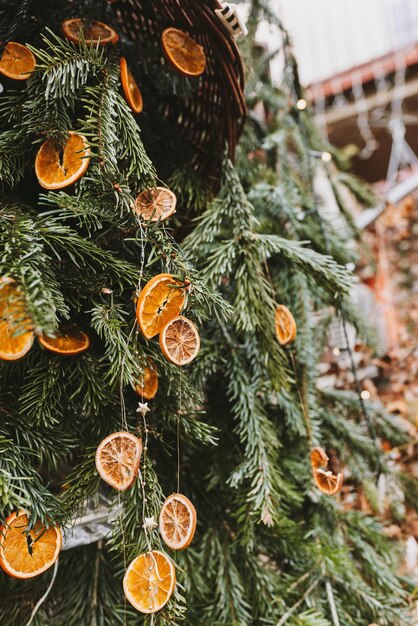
{"x": 285, "y": 325}
{"x": 57, "y": 167}
{"x": 24, "y": 552}
{"x": 147, "y": 386}
{"x": 149, "y": 581}
{"x": 17, "y": 61}
{"x": 98, "y": 33}
{"x": 160, "y": 301}
{"x": 326, "y": 481}
{"x": 117, "y": 459}
{"x": 180, "y": 341}
{"x": 68, "y": 343}
{"x": 177, "y": 522}
{"x": 156, "y": 204}
{"x": 16, "y": 336}
{"x": 130, "y": 88}
{"x": 184, "y": 53}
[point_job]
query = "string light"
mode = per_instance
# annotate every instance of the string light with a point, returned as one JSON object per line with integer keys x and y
{"x": 301, "y": 104}
{"x": 326, "y": 157}
{"x": 365, "y": 394}
{"x": 336, "y": 351}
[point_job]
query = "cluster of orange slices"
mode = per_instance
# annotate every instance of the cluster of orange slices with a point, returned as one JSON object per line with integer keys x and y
{"x": 325, "y": 480}
{"x": 158, "y": 313}
{"x": 17, "y": 336}
{"x": 25, "y": 551}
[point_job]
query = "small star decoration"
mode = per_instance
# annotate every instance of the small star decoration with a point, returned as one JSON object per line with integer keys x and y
{"x": 149, "y": 524}
{"x": 143, "y": 408}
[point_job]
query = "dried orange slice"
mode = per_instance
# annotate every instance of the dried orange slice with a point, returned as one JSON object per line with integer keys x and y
{"x": 117, "y": 459}
{"x": 98, "y": 33}
{"x": 17, "y": 61}
{"x": 285, "y": 325}
{"x": 156, "y": 204}
{"x": 326, "y": 481}
{"x": 67, "y": 342}
{"x": 149, "y": 581}
{"x": 180, "y": 341}
{"x": 16, "y": 336}
{"x": 58, "y": 167}
{"x": 184, "y": 53}
{"x": 178, "y": 522}
{"x": 147, "y": 386}
{"x": 25, "y": 552}
{"x": 160, "y": 301}
{"x": 130, "y": 87}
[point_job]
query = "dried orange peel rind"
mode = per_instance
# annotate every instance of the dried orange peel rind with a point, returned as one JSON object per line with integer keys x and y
{"x": 180, "y": 341}
{"x": 147, "y": 385}
{"x": 325, "y": 480}
{"x": 155, "y": 204}
{"x": 13, "y": 319}
{"x": 24, "y": 552}
{"x": 57, "y": 168}
{"x": 149, "y": 581}
{"x": 66, "y": 343}
{"x": 177, "y": 522}
{"x": 98, "y": 33}
{"x": 117, "y": 459}
{"x": 183, "y": 52}
{"x": 130, "y": 87}
{"x": 285, "y": 325}
{"x": 160, "y": 301}
{"x": 17, "y": 62}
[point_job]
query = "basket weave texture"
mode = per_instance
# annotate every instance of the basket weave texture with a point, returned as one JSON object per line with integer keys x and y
{"x": 214, "y": 115}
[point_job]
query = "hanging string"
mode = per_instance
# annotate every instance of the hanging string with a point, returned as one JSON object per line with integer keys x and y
{"x": 302, "y": 401}
{"x": 17, "y": 20}
{"x": 44, "y": 597}
{"x": 178, "y": 434}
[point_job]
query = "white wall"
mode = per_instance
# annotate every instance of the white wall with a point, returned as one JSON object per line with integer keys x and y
{"x": 334, "y": 35}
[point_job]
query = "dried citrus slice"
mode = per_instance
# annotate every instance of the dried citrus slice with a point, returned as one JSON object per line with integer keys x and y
{"x": 97, "y": 33}
{"x": 130, "y": 87}
{"x": 67, "y": 342}
{"x": 160, "y": 301}
{"x": 156, "y": 204}
{"x": 17, "y": 61}
{"x": 326, "y": 481}
{"x": 16, "y": 337}
{"x": 58, "y": 167}
{"x": 178, "y": 522}
{"x": 285, "y": 325}
{"x": 25, "y": 552}
{"x": 117, "y": 459}
{"x": 180, "y": 341}
{"x": 147, "y": 385}
{"x": 149, "y": 581}
{"x": 184, "y": 53}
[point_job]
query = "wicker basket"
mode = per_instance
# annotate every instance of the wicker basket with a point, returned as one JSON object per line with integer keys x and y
{"x": 214, "y": 115}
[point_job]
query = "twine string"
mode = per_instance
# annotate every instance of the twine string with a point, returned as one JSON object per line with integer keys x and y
{"x": 44, "y": 597}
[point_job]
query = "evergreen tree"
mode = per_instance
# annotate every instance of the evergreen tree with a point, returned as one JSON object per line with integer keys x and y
{"x": 234, "y": 430}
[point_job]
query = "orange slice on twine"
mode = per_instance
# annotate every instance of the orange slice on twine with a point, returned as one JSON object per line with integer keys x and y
{"x": 16, "y": 337}
{"x": 326, "y": 481}
{"x": 160, "y": 301}
{"x": 156, "y": 204}
{"x": 117, "y": 460}
{"x": 57, "y": 166}
{"x": 67, "y": 342}
{"x": 24, "y": 552}
{"x": 184, "y": 53}
{"x": 147, "y": 385}
{"x": 285, "y": 325}
{"x": 17, "y": 61}
{"x": 178, "y": 522}
{"x": 98, "y": 33}
{"x": 149, "y": 581}
{"x": 180, "y": 341}
{"x": 130, "y": 88}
